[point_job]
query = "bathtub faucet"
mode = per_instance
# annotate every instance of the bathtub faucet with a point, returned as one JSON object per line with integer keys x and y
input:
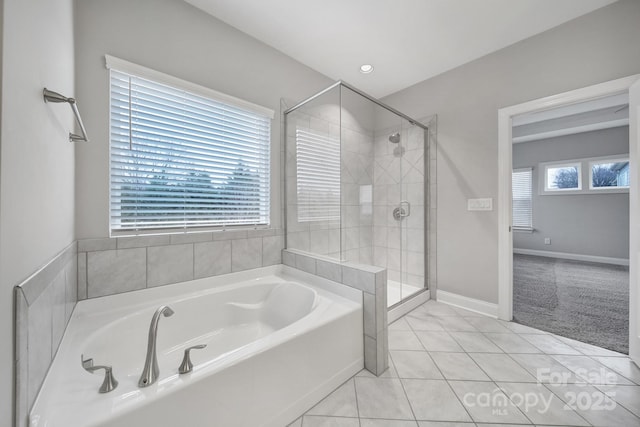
{"x": 151, "y": 371}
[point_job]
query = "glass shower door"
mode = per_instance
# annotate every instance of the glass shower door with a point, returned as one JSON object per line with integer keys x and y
{"x": 411, "y": 210}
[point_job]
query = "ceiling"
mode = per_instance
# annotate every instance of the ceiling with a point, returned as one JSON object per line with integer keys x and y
{"x": 407, "y": 41}
{"x": 601, "y": 113}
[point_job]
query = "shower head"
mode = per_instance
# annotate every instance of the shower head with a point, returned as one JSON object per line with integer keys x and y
{"x": 394, "y": 138}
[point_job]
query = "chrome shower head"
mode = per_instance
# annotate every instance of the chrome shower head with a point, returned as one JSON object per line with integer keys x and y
{"x": 394, "y": 138}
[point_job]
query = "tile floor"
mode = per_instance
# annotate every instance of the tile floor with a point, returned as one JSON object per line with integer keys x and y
{"x": 454, "y": 368}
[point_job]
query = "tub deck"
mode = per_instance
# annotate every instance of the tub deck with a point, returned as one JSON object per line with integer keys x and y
{"x": 277, "y": 341}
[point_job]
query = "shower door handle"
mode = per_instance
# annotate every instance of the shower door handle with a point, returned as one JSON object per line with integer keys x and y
{"x": 402, "y": 211}
{"x": 406, "y": 207}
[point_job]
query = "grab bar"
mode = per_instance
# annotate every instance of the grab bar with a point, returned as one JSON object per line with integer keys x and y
{"x": 51, "y": 96}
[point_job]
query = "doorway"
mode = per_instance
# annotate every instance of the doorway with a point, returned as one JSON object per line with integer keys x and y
{"x": 629, "y": 85}
{"x": 570, "y": 221}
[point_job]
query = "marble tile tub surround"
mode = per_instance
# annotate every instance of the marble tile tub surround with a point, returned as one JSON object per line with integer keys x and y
{"x": 372, "y": 282}
{"x": 437, "y": 379}
{"x": 43, "y": 304}
{"x": 114, "y": 265}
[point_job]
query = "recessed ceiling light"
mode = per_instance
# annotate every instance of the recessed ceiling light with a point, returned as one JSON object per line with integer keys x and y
{"x": 366, "y": 68}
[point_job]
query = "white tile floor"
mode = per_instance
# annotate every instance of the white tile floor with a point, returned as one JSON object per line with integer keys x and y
{"x": 453, "y": 368}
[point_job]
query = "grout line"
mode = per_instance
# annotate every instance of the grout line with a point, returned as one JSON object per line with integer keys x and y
{"x": 404, "y": 390}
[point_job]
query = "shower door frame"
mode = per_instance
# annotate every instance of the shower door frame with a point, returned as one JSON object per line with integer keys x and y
{"x": 429, "y": 288}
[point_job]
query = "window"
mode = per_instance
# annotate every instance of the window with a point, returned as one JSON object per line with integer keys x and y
{"x": 521, "y": 185}
{"x": 563, "y": 177}
{"x": 609, "y": 174}
{"x": 318, "y": 176}
{"x": 181, "y": 158}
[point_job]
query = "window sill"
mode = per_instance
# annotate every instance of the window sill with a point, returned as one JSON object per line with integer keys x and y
{"x": 523, "y": 229}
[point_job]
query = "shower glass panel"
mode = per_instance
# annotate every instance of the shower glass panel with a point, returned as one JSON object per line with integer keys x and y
{"x": 355, "y": 186}
{"x": 313, "y": 177}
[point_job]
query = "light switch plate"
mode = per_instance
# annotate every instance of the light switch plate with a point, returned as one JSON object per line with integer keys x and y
{"x": 480, "y": 204}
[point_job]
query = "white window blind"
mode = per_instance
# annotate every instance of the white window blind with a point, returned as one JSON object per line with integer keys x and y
{"x": 182, "y": 160}
{"x": 521, "y": 185}
{"x": 318, "y": 176}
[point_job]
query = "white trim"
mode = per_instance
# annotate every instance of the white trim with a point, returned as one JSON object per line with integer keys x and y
{"x": 505, "y": 241}
{"x": 575, "y": 257}
{"x": 583, "y": 107}
{"x": 471, "y": 304}
{"x": 544, "y": 176}
{"x": 138, "y": 70}
{"x": 571, "y": 131}
{"x": 397, "y": 312}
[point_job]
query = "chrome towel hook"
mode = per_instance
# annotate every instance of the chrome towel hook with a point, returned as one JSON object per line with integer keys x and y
{"x": 51, "y": 96}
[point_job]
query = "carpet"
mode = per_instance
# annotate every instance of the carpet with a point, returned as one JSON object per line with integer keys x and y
{"x": 585, "y": 301}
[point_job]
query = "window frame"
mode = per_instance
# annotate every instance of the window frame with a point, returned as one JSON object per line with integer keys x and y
{"x": 544, "y": 167}
{"x": 122, "y": 66}
{"x": 585, "y": 179}
{"x": 601, "y": 160}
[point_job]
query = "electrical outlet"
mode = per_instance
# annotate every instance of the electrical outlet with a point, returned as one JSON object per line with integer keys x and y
{"x": 547, "y": 240}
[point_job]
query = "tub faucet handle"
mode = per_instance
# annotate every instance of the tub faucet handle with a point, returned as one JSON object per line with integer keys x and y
{"x": 186, "y": 366}
{"x": 109, "y": 383}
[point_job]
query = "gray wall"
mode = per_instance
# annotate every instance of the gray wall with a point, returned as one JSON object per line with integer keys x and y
{"x": 37, "y": 159}
{"x": 594, "y": 48}
{"x": 175, "y": 38}
{"x": 584, "y": 224}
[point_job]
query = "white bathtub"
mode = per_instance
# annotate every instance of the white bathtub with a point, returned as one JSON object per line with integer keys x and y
{"x": 278, "y": 340}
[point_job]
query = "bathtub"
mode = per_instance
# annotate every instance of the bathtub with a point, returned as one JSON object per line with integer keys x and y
{"x": 278, "y": 340}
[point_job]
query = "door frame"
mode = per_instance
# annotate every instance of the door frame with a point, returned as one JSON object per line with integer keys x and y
{"x": 505, "y": 162}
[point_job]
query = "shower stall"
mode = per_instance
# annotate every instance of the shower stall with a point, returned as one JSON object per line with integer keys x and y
{"x": 357, "y": 186}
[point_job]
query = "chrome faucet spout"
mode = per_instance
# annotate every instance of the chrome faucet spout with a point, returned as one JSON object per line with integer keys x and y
{"x": 151, "y": 370}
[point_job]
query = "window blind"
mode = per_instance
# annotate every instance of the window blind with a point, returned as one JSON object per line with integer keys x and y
{"x": 318, "y": 176}
{"x": 521, "y": 185}
{"x": 181, "y": 160}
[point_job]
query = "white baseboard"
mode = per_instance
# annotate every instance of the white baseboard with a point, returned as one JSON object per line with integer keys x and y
{"x": 576, "y": 257}
{"x": 471, "y": 304}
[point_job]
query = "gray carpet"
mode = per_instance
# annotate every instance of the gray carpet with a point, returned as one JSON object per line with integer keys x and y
{"x": 585, "y": 301}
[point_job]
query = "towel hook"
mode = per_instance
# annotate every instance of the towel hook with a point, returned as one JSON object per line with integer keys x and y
{"x": 51, "y": 96}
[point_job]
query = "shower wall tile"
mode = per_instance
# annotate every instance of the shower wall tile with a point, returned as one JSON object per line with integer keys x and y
{"x": 319, "y": 242}
{"x": 368, "y": 279}
{"x": 211, "y": 258}
{"x": 103, "y": 244}
{"x": 71, "y": 287}
{"x": 272, "y": 250}
{"x": 59, "y": 307}
{"x": 169, "y": 264}
{"x": 42, "y": 307}
{"x": 39, "y": 341}
{"x": 300, "y": 240}
{"x": 184, "y": 256}
{"x": 116, "y": 271}
{"x": 232, "y": 235}
{"x": 21, "y": 393}
{"x": 142, "y": 241}
{"x": 329, "y": 270}
{"x": 246, "y": 254}
{"x": 288, "y": 258}
{"x": 82, "y": 275}
{"x": 306, "y": 263}
{"x": 177, "y": 239}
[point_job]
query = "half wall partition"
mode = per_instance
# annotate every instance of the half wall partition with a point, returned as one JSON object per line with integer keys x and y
{"x": 357, "y": 186}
